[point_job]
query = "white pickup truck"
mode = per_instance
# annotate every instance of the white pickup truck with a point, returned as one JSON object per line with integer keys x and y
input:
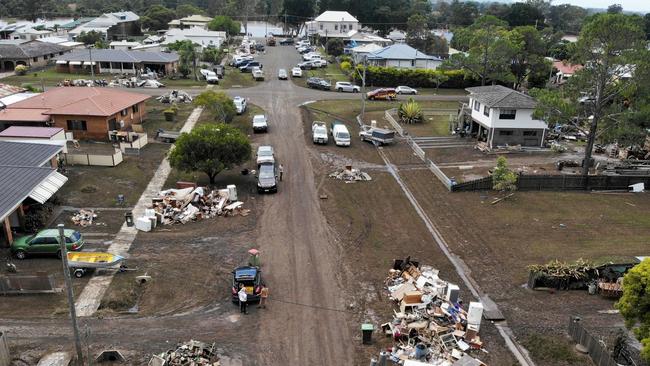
{"x": 319, "y": 132}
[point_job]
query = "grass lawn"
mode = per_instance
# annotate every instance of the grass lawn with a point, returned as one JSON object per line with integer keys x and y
{"x": 156, "y": 119}
{"x": 48, "y": 77}
{"x": 244, "y": 121}
{"x": 349, "y": 109}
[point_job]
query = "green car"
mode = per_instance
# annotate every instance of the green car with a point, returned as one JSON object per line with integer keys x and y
{"x": 46, "y": 242}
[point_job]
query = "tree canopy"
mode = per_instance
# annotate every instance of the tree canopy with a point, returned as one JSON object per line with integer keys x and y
{"x": 185, "y": 10}
{"x": 219, "y": 104}
{"x": 225, "y": 24}
{"x": 157, "y": 17}
{"x": 210, "y": 149}
{"x": 635, "y": 304}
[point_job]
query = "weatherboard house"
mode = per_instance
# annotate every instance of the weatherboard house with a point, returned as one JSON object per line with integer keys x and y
{"x": 501, "y": 116}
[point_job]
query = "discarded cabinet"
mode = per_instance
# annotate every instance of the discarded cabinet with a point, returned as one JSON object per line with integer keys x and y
{"x": 366, "y": 330}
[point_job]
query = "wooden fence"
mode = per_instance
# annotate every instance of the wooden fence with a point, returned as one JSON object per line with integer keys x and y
{"x": 597, "y": 350}
{"x": 559, "y": 183}
{"x": 95, "y": 159}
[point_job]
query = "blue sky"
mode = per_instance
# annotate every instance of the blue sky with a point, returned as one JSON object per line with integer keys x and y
{"x": 630, "y": 5}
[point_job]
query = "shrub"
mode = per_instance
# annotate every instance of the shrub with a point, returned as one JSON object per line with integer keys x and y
{"x": 334, "y": 46}
{"x": 170, "y": 114}
{"x": 346, "y": 66}
{"x": 503, "y": 179}
{"x": 410, "y": 112}
{"x": 20, "y": 70}
{"x": 417, "y": 78}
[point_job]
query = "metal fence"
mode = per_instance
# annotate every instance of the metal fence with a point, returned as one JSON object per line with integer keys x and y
{"x": 389, "y": 117}
{"x": 596, "y": 349}
{"x": 559, "y": 183}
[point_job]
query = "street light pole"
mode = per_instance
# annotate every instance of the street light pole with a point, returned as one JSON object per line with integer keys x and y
{"x": 68, "y": 285}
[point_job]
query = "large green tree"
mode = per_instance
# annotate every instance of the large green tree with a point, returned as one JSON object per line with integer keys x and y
{"x": 225, "y": 24}
{"x": 296, "y": 12}
{"x": 611, "y": 92}
{"x": 210, "y": 149}
{"x": 529, "y": 56}
{"x": 567, "y": 18}
{"x": 521, "y": 14}
{"x": 188, "y": 53}
{"x": 635, "y": 304}
{"x": 219, "y": 104}
{"x": 157, "y": 17}
{"x": 185, "y": 10}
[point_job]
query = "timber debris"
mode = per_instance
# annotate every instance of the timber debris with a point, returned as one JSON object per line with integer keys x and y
{"x": 350, "y": 175}
{"x": 192, "y": 353}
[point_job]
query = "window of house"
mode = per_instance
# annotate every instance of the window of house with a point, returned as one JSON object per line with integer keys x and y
{"x": 135, "y": 108}
{"x": 127, "y": 65}
{"x": 321, "y": 27}
{"x": 477, "y": 106}
{"x": 60, "y": 53}
{"x": 44, "y": 57}
{"x": 486, "y": 111}
{"x": 124, "y": 112}
{"x": 77, "y": 125}
{"x": 35, "y": 59}
{"x": 505, "y": 133}
{"x": 507, "y": 114}
{"x": 336, "y": 27}
{"x": 530, "y": 133}
{"x": 105, "y": 65}
{"x": 344, "y": 27}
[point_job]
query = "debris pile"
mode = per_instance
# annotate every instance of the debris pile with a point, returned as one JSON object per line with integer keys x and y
{"x": 175, "y": 96}
{"x": 84, "y": 217}
{"x": 192, "y": 353}
{"x": 432, "y": 324}
{"x": 190, "y": 204}
{"x": 350, "y": 175}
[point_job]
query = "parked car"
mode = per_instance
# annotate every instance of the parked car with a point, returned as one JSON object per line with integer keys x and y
{"x": 239, "y": 61}
{"x": 382, "y": 94}
{"x": 296, "y": 72}
{"x": 265, "y": 154}
{"x": 46, "y": 242}
{"x": 258, "y": 74}
{"x": 302, "y": 43}
{"x": 249, "y": 66}
{"x": 267, "y": 178}
{"x": 240, "y": 104}
{"x": 319, "y": 132}
{"x": 282, "y": 74}
{"x": 320, "y": 62}
{"x": 251, "y": 278}
{"x": 405, "y": 90}
{"x": 305, "y": 49}
{"x": 308, "y": 65}
{"x": 259, "y": 47}
{"x": 344, "y": 86}
{"x": 340, "y": 133}
{"x": 311, "y": 56}
{"x": 318, "y": 83}
{"x": 286, "y": 41}
{"x": 380, "y": 136}
{"x": 260, "y": 124}
{"x": 270, "y": 42}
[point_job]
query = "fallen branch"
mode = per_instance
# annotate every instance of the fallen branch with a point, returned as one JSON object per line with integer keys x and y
{"x": 501, "y": 199}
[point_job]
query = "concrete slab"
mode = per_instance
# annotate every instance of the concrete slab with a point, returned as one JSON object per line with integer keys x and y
{"x": 56, "y": 359}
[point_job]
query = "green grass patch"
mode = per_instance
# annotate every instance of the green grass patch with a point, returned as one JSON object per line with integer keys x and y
{"x": 48, "y": 77}
{"x": 243, "y": 122}
{"x": 552, "y": 349}
{"x": 156, "y": 119}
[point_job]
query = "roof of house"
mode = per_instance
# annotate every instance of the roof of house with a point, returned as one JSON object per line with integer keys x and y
{"x": 23, "y": 115}
{"x": 567, "y": 68}
{"x": 192, "y": 32}
{"x": 18, "y": 183}
{"x": 30, "y": 49}
{"x": 105, "y": 21}
{"x": 497, "y": 96}
{"x": 196, "y": 18}
{"x": 6, "y": 90}
{"x": 366, "y": 48}
{"x": 400, "y": 51}
{"x": 75, "y": 23}
{"x": 107, "y": 55}
{"x": 335, "y": 16}
{"x": 28, "y": 131}
{"x": 81, "y": 101}
{"x": 14, "y": 153}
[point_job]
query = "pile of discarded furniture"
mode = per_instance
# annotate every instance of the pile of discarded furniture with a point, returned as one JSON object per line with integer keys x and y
{"x": 350, "y": 175}
{"x": 192, "y": 353}
{"x": 175, "y": 96}
{"x": 84, "y": 217}
{"x": 432, "y": 325}
{"x": 190, "y": 204}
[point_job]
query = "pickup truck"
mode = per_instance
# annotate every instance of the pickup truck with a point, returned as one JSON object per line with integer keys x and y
{"x": 340, "y": 133}
{"x": 260, "y": 124}
{"x": 258, "y": 74}
{"x": 319, "y": 132}
{"x": 377, "y": 135}
{"x": 167, "y": 135}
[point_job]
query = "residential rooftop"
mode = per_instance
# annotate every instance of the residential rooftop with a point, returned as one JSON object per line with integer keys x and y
{"x": 498, "y": 96}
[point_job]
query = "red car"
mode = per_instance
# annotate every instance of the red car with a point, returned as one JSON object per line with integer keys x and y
{"x": 382, "y": 94}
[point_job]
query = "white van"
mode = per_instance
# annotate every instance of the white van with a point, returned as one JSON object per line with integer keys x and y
{"x": 340, "y": 134}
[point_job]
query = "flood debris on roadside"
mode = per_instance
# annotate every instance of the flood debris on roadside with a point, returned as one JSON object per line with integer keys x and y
{"x": 175, "y": 96}
{"x": 192, "y": 353}
{"x": 350, "y": 175}
{"x": 84, "y": 217}
{"x": 431, "y": 325}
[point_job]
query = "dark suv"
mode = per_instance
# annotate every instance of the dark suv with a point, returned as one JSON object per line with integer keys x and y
{"x": 286, "y": 41}
{"x": 250, "y": 278}
{"x": 318, "y": 83}
{"x": 267, "y": 178}
{"x": 249, "y": 66}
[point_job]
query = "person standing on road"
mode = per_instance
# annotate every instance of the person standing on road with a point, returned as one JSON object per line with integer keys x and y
{"x": 264, "y": 294}
{"x": 243, "y": 297}
{"x": 281, "y": 172}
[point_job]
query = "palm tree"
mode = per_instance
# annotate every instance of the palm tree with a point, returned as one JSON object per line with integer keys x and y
{"x": 410, "y": 112}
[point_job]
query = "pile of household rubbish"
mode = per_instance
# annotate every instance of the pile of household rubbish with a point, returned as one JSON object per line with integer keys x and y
{"x": 175, "y": 96}
{"x": 84, "y": 217}
{"x": 174, "y": 206}
{"x": 83, "y": 82}
{"x": 350, "y": 175}
{"x": 192, "y": 353}
{"x": 432, "y": 325}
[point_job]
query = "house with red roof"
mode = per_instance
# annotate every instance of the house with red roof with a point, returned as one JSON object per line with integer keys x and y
{"x": 89, "y": 113}
{"x": 565, "y": 70}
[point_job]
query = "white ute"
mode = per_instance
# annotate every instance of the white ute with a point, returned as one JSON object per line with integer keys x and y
{"x": 240, "y": 104}
{"x": 319, "y": 132}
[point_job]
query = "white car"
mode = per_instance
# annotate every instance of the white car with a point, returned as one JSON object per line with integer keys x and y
{"x": 344, "y": 86}
{"x": 405, "y": 90}
{"x": 265, "y": 154}
{"x": 282, "y": 74}
{"x": 260, "y": 124}
{"x": 296, "y": 72}
{"x": 240, "y": 104}
{"x": 258, "y": 74}
{"x": 311, "y": 56}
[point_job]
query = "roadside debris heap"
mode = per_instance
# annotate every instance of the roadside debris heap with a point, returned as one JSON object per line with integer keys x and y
{"x": 192, "y": 353}
{"x": 432, "y": 326}
{"x": 84, "y": 217}
{"x": 350, "y": 175}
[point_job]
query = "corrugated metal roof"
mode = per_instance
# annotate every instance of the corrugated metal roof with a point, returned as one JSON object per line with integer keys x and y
{"x": 27, "y": 131}
{"x": 400, "y": 51}
{"x": 17, "y": 183}
{"x": 30, "y": 49}
{"x": 48, "y": 187}
{"x": 26, "y": 154}
{"x": 107, "y": 55}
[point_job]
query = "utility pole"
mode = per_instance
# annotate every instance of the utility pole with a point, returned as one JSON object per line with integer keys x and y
{"x": 68, "y": 286}
{"x": 363, "y": 87}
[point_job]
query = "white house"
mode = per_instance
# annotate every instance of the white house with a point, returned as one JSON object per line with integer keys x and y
{"x": 332, "y": 23}
{"x": 199, "y": 36}
{"x": 502, "y": 116}
{"x": 402, "y": 55}
{"x": 195, "y": 20}
{"x": 123, "y": 45}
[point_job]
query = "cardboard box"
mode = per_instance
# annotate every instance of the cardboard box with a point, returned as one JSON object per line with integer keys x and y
{"x": 413, "y": 297}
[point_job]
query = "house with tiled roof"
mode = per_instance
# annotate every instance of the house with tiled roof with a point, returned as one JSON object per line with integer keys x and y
{"x": 89, "y": 113}
{"x": 502, "y": 116}
{"x": 565, "y": 70}
{"x": 32, "y": 54}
